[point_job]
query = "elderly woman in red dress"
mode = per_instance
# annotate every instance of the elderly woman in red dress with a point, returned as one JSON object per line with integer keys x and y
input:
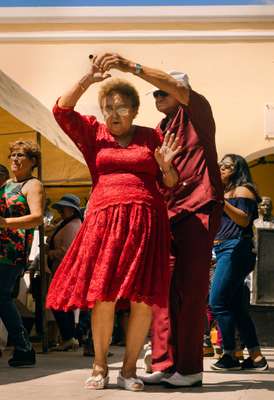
{"x": 122, "y": 248}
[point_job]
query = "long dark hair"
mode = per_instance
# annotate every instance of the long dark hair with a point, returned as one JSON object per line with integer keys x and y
{"x": 241, "y": 176}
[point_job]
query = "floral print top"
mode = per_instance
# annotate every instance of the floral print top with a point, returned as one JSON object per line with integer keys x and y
{"x": 14, "y": 243}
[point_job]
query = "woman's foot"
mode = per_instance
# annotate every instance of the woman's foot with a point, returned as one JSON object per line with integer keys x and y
{"x": 259, "y": 364}
{"x": 132, "y": 383}
{"x": 226, "y": 363}
{"x": 99, "y": 378}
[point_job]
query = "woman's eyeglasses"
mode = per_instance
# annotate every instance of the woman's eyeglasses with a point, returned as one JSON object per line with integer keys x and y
{"x": 122, "y": 111}
{"x": 13, "y": 156}
{"x": 160, "y": 93}
{"x": 228, "y": 166}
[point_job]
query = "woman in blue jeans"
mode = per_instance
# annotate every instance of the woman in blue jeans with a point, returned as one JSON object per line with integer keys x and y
{"x": 235, "y": 259}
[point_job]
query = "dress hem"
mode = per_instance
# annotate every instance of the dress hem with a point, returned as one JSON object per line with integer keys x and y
{"x": 90, "y": 304}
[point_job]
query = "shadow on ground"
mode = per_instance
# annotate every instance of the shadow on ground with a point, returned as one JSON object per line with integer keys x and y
{"x": 54, "y": 363}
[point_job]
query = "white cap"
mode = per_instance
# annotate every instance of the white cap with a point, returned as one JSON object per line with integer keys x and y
{"x": 179, "y": 76}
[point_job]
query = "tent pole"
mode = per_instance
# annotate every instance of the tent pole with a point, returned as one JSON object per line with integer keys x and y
{"x": 43, "y": 275}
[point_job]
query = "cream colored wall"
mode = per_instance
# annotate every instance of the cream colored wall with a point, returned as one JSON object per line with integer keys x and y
{"x": 236, "y": 76}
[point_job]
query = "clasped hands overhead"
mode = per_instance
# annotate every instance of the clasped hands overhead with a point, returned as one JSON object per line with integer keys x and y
{"x": 101, "y": 64}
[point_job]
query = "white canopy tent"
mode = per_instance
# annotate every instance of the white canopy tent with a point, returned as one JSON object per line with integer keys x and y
{"x": 22, "y": 116}
{"x": 33, "y": 113}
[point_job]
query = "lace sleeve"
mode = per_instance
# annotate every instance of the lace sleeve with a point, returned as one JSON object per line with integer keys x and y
{"x": 81, "y": 129}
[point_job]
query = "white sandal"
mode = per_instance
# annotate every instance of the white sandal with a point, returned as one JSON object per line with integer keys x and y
{"x": 97, "y": 382}
{"x": 133, "y": 384}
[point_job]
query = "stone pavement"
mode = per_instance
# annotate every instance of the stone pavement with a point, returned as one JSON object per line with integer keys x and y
{"x": 60, "y": 376}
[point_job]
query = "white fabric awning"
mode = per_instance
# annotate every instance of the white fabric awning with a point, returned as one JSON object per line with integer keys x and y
{"x": 26, "y": 108}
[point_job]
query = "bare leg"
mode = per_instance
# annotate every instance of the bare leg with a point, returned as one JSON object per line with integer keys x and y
{"x": 102, "y": 326}
{"x": 138, "y": 327}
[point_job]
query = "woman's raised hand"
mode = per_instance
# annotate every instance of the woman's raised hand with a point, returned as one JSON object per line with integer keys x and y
{"x": 165, "y": 154}
{"x": 108, "y": 61}
{"x": 97, "y": 73}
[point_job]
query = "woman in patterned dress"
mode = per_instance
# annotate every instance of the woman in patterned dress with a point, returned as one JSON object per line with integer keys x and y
{"x": 122, "y": 249}
{"x": 21, "y": 209}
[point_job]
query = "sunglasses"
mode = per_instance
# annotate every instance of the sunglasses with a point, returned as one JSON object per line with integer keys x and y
{"x": 227, "y": 166}
{"x": 161, "y": 93}
{"x": 12, "y": 156}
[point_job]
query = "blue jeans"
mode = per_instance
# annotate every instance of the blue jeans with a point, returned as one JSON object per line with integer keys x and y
{"x": 235, "y": 260}
{"x": 8, "y": 311}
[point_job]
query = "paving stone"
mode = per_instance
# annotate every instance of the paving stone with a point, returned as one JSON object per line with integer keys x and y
{"x": 61, "y": 376}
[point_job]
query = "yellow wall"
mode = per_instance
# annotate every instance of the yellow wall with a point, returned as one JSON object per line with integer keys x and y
{"x": 237, "y": 76}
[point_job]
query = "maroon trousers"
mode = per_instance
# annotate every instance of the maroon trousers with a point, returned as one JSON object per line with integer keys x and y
{"x": 177, "y": 331}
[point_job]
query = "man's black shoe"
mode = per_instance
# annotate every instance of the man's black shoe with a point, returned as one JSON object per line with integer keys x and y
{"x": 226, "y": 363}
{"x": 22, "y": 358}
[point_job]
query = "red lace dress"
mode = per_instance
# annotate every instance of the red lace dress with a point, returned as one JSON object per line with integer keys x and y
{"x": 122, "y": 248}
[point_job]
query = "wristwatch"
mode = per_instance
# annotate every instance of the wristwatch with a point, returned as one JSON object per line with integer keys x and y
{"x": 138, "y": 69}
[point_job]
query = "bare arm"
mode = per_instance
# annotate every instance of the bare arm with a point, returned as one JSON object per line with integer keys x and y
{"x": 34, "y": 192}
{"x": 238, "y": 216}
{"x": 156, "y": 77}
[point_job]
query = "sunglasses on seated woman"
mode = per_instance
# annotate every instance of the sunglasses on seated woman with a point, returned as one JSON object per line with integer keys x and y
{"x": 161, "y": 93}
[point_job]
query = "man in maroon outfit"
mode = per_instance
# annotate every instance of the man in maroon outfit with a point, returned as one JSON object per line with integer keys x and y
{"x": 195, "y": 207}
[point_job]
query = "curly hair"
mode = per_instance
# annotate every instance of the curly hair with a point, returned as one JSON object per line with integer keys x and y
{"x": 122, "y": 87}
{"x": 30, "y": 148}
